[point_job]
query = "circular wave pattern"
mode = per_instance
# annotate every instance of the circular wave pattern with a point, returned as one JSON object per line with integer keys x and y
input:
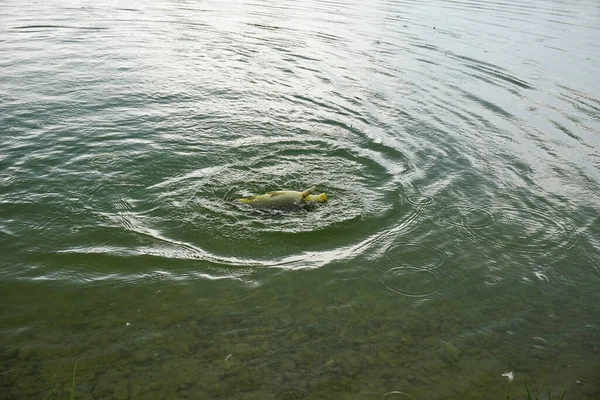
{"x": 363, "y": 132}
{"x": 395, "y": 394}
{"x": 522, "y": 230}
{"x": 539, "y": 343}
{"x": 416, "y": 271}
{"x": 420, "y": 200}
{"x": 103, "y": 159}
{"x": 359, "y": 184}
{"x": 413, "y": 256}
{"x": 529, "y": 231}
{"x": 158, "y": 118}
{"x": 467, "y": 217}
{"x": 491, "y": 280}
{"x": 412, "y": 282}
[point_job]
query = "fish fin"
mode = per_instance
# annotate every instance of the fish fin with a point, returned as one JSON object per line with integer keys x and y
{"x": 248, "y": 200}
{"x": 308, "y": 191}
{"x": 273, "y": 194}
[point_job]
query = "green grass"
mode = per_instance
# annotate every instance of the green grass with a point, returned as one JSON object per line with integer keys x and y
{"x": 535, "y": 395}
{"x": 72, "y": 395}
{"x": 54, "y": 396}
{"x": 539, "y": 391}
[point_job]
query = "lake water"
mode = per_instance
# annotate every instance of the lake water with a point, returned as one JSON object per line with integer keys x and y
{"x": 458, "y": 141}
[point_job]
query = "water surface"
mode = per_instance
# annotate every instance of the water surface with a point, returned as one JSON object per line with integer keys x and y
{"x": 458, "y": 142}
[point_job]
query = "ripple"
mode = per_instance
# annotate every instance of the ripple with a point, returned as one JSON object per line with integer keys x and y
{"x": 420, "y": 200}
{"x": 517, "y": 229}
{"x": 5, "y": 179}
{"x": 203, "y": 109}
{"x": 492, "y": 280}
{"x": 539, "y": 343}
{"x": 395, "y": 394}
{"x": 360, "y": 182}
{"x": 411, "y": 282}
{"x": 412, "y": 270}
{"x": 413, "y": 256}
{"x": 529, "y": 231}
{"x": 103, "y": 159}
{"x": 468, "y": 217}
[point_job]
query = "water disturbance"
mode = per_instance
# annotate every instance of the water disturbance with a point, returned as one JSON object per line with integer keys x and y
{"x": 458, "y": 143}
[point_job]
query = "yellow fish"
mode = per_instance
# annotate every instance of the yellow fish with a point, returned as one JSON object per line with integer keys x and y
{"x": 285, "y": 200}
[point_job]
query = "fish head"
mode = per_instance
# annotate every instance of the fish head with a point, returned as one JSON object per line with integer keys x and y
{"x": 317, "y": 198}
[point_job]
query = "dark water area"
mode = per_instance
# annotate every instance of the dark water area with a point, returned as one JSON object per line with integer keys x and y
{"x": 459, "y": 145}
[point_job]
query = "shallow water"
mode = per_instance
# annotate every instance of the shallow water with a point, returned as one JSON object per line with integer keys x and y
{"x": 458, "y": 142}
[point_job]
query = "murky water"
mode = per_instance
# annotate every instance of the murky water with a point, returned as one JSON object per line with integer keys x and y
{"x": 458, "y": 143}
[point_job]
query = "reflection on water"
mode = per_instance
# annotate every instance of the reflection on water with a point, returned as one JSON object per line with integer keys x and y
{"x": 458, "y": 144}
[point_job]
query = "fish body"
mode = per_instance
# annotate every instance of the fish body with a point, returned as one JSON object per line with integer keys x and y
{"x": 285, "y": 200}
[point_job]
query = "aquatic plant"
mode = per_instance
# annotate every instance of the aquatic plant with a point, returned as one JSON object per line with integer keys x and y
{"x": 532, "y": 395}
{"x": 72, "y": 396}
{"x": 539, "y": 391}
{"x": 53, "y": 395}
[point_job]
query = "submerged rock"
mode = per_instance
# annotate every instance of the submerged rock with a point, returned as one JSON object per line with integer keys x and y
{"x": 122, "y": 391}
{"x": 448, "y": 352}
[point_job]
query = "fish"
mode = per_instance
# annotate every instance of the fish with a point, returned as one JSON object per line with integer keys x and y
{"x": 285, "y": 200}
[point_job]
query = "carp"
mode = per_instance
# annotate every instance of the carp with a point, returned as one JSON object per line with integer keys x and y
{"x": 285, "y": 200}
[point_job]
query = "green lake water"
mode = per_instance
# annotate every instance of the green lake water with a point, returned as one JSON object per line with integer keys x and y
{"x": 459, "y": 145}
